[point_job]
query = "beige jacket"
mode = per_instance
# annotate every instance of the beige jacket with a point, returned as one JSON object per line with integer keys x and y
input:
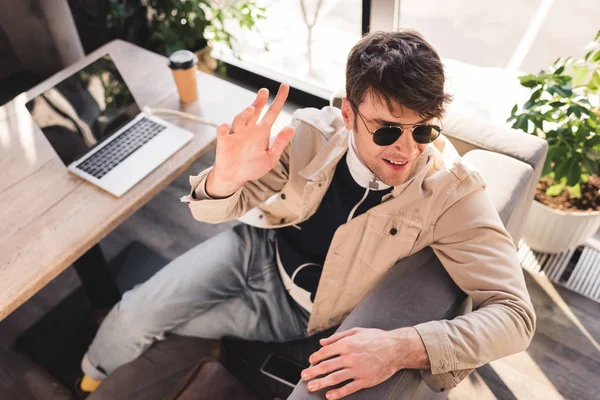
{"x": 443, "y": 205}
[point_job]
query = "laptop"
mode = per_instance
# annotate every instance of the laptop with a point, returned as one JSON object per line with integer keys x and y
{"x": 98, "y": 130}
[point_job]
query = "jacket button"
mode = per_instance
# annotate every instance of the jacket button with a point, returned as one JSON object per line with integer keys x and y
{"x": 282, "y": 221}
{"x": 442, "y": 390}
{"x": 260, "y": 216}
{"x": 283, "y": 196}
{"x": 393, "y": 231}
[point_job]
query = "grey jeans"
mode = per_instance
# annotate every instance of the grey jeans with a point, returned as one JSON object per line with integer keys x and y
{"x": 228, "y": 286}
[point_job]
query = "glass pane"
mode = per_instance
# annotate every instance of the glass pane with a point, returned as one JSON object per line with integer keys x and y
{"x": 318, "y": 68}
{"x": 520, "y": 35}
{"x": 485, "y": 44}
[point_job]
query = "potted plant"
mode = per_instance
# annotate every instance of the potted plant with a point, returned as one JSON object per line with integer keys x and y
{"x": 564, "y": 110}
{"x": 165, "y": 26}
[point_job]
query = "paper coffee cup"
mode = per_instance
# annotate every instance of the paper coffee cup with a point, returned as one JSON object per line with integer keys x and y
{"x": 183, "y": 65}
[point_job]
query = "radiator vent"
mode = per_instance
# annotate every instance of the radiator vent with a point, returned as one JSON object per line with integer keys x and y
{"x": 576, "y": 269}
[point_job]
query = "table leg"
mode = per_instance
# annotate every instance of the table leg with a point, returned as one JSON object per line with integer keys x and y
{"x": 96, "y": 279}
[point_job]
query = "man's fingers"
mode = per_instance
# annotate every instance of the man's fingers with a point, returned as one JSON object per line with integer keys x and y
{"x": 259, "y": 103}
{"x": 330, "y": 380}
{"x": 281, "y": 141}
{"x": 323, "y": 368}
{"x": 275, "y": 108}
{"x": 346, "y": 390}
{"x": 337, "y": 336}
{"x": 240, "y": 120}
{"x": 222, "y": 130}
{"x": 325, "y": 353}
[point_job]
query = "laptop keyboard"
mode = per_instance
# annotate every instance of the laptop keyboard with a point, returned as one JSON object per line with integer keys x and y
{"x": 111, "y": 155}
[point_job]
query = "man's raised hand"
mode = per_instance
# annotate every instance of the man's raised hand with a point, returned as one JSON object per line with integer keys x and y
{"x": 243, "y": 152}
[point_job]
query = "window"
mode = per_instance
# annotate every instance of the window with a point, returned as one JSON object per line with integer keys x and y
{"x": 313, "y": 63}
{"x": 513, "y": 34}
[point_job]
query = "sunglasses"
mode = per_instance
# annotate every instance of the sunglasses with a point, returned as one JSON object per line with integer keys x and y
{"x": 387, "y": 135}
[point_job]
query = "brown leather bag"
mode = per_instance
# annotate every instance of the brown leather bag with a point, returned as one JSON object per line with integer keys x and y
{"x": 210, "y": 380}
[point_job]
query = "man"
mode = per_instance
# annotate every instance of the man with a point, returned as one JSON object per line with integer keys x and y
{"x": 331, "y": 205}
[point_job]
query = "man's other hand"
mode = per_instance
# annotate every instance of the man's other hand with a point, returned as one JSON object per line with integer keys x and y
{"x": 363, "y": 357}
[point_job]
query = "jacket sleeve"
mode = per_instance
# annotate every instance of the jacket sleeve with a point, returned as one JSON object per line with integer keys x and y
{"x": 249, "y": 196}
{"x": 471, "y": 242}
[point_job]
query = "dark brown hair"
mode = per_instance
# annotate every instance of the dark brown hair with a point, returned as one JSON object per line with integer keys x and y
{"x": 397, "y": 67}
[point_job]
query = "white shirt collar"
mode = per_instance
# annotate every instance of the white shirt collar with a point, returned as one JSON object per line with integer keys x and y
{"x": 359, "y": 171}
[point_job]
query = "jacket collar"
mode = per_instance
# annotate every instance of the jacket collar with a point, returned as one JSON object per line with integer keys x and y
{"x": 327, "y": 158}
{"x": 418, "y": 173}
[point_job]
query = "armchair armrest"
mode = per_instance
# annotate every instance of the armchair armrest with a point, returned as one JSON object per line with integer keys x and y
{"x": 468, "y": 133}
{"x": 507, "y": 179}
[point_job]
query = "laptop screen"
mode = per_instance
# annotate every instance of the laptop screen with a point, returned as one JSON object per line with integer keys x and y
{"x": 84, "y": 109}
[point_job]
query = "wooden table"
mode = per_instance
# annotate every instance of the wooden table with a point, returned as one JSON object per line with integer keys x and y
{"x": 49, "y": 218}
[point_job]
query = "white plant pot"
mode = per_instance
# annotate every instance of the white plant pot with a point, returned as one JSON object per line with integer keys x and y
{"x": 551, "y": 231}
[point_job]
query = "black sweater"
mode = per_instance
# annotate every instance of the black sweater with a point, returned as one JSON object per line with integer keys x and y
{"x": 311, "y": 243}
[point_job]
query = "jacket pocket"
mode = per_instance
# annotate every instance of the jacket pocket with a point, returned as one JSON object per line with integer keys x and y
{"x": 387, "y": 239}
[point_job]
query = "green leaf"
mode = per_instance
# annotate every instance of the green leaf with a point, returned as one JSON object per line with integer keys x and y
{"x": 563, "y": 91}
{"x": 580, "y": 72}
{"x": 562, "y": 79}
{"x": 593, "y": 141}
{"x": 594, "y": 83}
{"x": 547, "y": 166}
{"x": 596, "y": 56}
{"x": 559, "y": 70}
{"x": 522, "y": 123}
{"x": 590, "y": 166}
{"x": 555, "y": 154}
{"x": 561, "y": 168}
{"x": 575, "y": 190}
{"x": 549, "y": 157}
{"x": 584, "y": 110}
{"x": 574, "y": 110}
{"x": 535, "y": 95}
{"x": 556, "y": 104}
{"x": 587, "y": 55}
{"x": 581, "y": 134}
{"x": 529, "y": 81}
{"x": 597, "y": 36}
{"x": 574, "y": 174}
{"x": 585, "y": 178}
{"x": 556, "y": 188}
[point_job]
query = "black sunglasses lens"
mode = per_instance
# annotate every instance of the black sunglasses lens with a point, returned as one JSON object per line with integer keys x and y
{"x": 386, "y": 136}
{"x": 426, "y": 133}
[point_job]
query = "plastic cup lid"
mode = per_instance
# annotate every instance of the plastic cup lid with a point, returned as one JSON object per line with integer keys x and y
{"x": 182, "y": 59}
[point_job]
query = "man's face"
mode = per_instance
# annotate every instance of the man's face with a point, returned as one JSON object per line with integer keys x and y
{"x": 384, "y": 161}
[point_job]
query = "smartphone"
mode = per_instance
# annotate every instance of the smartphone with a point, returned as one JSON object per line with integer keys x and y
{"x": 282, "y": 369}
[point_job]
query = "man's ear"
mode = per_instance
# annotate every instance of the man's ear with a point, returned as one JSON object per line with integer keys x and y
{"x": 348, "y": 114}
